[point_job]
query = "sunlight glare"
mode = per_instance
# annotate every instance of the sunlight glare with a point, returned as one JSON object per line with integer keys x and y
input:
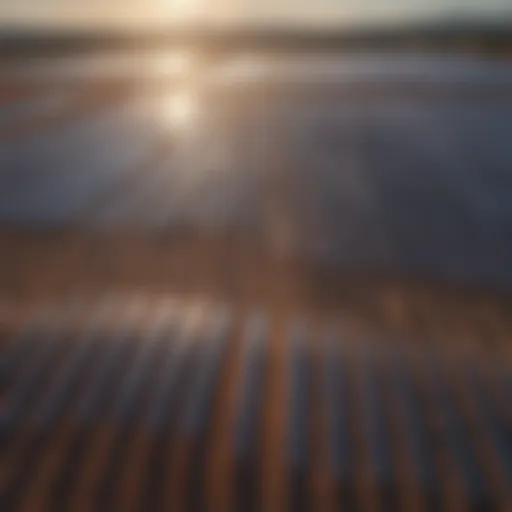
{"x": 184, "y": 10}
{"x": 181, "y": 109}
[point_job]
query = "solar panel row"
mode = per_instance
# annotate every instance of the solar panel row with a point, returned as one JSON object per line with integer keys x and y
{"x": 174, "y": 405}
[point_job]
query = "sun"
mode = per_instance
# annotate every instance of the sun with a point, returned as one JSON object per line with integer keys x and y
{"x": 183, "y": 10}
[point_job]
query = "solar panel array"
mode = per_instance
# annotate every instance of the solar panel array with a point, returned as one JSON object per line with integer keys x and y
{"x": 189, "y": 405}
{"x": 353, "y": 162}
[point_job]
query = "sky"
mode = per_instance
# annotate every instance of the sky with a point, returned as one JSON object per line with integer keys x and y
{"x": 168, "y": 12}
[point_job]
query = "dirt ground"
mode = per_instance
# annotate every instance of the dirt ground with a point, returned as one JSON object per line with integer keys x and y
{"x": 39, "y": 267}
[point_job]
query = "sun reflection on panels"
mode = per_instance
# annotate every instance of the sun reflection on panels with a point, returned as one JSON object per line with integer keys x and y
{"x": 174, "y": 64}
{"x": 181, "y": 109}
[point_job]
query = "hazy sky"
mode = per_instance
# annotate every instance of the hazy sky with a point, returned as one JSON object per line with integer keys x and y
{"x": 134, "y": 12}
